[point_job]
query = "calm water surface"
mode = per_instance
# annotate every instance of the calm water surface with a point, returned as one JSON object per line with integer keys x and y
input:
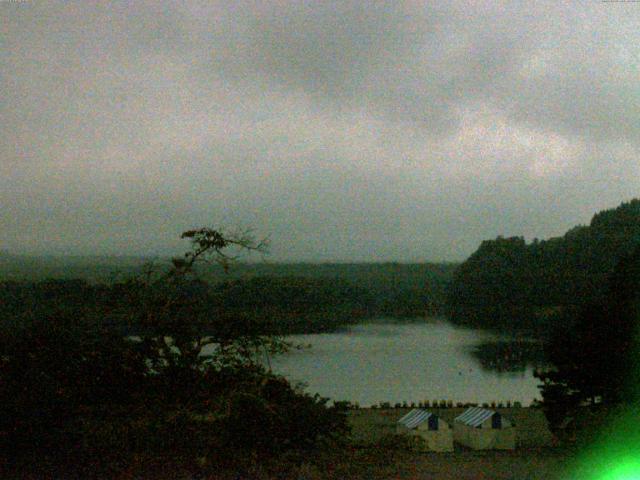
{"x": 394, "y": 362}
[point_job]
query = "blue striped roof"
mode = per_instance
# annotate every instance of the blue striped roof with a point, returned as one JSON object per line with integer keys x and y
{"x": 475, "y": 416}
{"x": 415, "y": 417}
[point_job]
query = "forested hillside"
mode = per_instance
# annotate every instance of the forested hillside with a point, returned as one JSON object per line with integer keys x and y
{"x": 394, "y": 289}
{"x": 290, "y": 298}
{"x": 510, "y": 284}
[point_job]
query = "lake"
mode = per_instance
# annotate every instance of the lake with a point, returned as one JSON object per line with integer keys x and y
{"x": 395, "y": 362}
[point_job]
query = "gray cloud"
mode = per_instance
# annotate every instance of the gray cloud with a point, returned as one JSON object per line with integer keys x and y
{"x": 344, "y": 130}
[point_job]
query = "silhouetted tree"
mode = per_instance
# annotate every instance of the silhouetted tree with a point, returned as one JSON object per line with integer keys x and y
{"x": 594, "y": 351}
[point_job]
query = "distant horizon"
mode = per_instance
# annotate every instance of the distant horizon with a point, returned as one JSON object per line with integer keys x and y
{"x": 268, "y": 258}
{"x": 239, "y": 261}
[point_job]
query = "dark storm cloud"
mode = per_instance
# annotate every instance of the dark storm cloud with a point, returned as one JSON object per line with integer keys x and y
{"x": 344, "y": 130}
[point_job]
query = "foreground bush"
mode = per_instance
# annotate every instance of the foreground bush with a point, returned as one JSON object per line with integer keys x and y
{"x": 79, "y": 398}
{"x": 70, "y": 397}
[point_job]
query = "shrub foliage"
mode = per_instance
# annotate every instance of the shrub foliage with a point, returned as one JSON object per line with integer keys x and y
{"x": 78, "y": 391}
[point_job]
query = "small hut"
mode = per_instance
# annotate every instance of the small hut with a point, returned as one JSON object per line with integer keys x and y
{"x": 436, "y": 434}
{"x": 482, "y": 429}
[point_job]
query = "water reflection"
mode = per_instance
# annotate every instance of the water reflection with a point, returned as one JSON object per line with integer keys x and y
{"x": 509, "y": 356}
{"x": 389, "y": 361}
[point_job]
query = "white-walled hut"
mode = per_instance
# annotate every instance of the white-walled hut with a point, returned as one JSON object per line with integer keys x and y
{"x": 436, "y": 434}
{"x": 482, "y": 429}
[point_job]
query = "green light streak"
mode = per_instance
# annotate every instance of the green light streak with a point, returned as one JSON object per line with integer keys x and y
{"x": 627, "y": 469}
{"x": 615, "y": 455}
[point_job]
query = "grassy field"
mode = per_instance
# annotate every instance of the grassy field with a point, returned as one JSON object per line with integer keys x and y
{"x": 525, "y": 464}
{"x": 374, "y": 455}
{"x": 361, "y": 464}
{"x": 534, "y": 458}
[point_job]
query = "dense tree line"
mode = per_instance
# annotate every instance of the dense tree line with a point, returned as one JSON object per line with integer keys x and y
{"x": 272, "y": 305}
{"x": 394, "y": 289}
{"x": 297, "y": 298}
{"x": 510, "y": 284}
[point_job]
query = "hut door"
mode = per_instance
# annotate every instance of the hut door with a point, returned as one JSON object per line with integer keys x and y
{"x": 433, "y": 422}
{"x": 496, "y": 421}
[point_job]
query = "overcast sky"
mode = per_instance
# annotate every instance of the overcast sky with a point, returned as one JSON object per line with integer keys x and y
{"x": 365, "y": 131}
